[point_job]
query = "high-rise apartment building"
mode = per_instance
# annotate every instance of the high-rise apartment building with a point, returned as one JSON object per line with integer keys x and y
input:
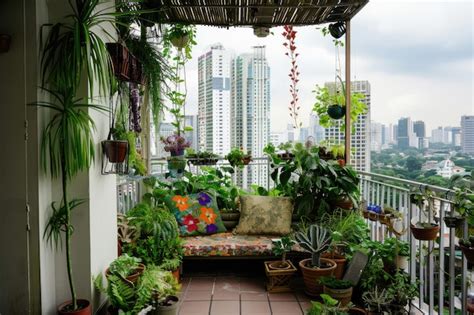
{"x": 467, "y": 134}
{"x": 376, "y": 136}
{"x": 456, "y": 136}
{"x": 437, "y": 135}
{"x": 315, "y": 129}
{"x": 214, "y": 85}
{"x": 250, "y": 110}
{"x": 406, "y": 137}
{"x": 360, "y": 139}
{"x": 420, "y": 132}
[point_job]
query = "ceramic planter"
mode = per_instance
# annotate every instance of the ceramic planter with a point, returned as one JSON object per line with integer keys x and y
{"x": 278, "y": 277}
{"x": 425, "y": 233}
{"x": 453, "y": 221}
{"x": 115, "y": 150}
{"x": 344, "y": 296}
{"x": 176, "y": 166}
{"x": 401, "y": 262}
{"x": 170, "y": 306}
{"x": 336, "y": 111}
{"x": 468, "y": 253}
{"x": 311, "y": 276}
{"x": 84, "y": 305}
{"x": 340, "y": 261}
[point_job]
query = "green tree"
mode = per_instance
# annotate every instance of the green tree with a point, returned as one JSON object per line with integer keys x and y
{"x": 413, "y": 164}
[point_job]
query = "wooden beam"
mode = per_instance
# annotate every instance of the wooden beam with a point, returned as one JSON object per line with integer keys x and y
{"x": 347, "y": 137}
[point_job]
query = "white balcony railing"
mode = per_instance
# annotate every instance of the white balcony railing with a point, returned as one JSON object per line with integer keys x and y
{"x": 441, "y": 269}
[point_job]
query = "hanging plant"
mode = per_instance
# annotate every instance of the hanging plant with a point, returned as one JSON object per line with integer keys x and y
{"x": 180, "y": 36}
{"x": 289, "y": 34}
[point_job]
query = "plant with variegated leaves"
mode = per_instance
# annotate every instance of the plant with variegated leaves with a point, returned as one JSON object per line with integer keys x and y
{"x": 316, "y": 240}
{"x": 289, "y": 34}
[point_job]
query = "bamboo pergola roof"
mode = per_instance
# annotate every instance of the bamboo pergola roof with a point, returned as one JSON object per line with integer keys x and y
{"x": 267, "y": 13}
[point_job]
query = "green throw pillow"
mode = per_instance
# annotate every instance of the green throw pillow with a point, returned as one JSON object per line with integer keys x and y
{"x": 196, "y": 214}
{"x": 264, "y": 215}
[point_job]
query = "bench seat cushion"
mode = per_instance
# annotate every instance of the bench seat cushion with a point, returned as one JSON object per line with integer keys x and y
{"x": 227, "y": 244}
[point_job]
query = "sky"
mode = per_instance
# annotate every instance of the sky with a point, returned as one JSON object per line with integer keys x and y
{"x": 417, "y": 56}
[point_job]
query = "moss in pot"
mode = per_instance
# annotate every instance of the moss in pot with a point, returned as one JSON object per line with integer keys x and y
{"x": 315, "y": 241}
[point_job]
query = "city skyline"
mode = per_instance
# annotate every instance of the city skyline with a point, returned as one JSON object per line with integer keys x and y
{"x": 411, "y": 74}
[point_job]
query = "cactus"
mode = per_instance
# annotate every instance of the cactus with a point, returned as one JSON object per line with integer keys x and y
{"x": 316, "y": 240}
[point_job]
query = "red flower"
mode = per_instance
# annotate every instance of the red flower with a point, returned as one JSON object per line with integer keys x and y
{"x": 190, "y": 222}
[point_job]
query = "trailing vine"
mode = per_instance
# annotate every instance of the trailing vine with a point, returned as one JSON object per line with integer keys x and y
{"x": 289, "y": 34}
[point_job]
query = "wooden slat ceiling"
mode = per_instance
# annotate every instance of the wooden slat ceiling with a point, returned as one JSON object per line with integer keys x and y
{"x": 269, "y": 13}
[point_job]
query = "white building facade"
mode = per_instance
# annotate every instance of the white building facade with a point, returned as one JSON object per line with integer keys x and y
{"x": 467, "y": 134}
{"x": 214, "y": 93}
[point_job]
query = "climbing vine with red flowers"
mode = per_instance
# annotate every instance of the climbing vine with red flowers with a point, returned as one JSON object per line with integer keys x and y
{"x": 289, "y": 34}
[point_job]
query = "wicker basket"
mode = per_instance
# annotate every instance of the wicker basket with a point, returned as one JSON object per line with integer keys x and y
{"x": 279, "y": 279}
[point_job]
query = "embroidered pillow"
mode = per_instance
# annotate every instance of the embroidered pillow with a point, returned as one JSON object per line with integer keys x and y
{"x": 264, "y": 215}
{"x": 196, "y": 214}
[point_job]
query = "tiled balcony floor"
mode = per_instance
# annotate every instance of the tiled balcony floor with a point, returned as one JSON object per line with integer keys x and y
{"x": 240, "y": 295}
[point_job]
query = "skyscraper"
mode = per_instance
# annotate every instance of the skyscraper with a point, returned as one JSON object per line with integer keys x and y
{"x": 420, "y": 132}
{"x": 406, "y": 137}
{"x": 376, "y": 136}
{"x": 360, "y": 142}
{"x": 250, "y": 110}
{"x": 437, "y": 135}
{"x": 315, "y": 129}
{"x": 214, "y": 74}
{"x": 467, "y": 134}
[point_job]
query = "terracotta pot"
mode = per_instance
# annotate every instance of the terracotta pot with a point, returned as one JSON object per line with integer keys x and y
{"x": 340, "y": 261}
{"x": 246, "y": 160}
{"x": 115, "y": 150}
{"x": 365, "y": 213}
{"x": 84, "y": 305}
{"x": 177, "y": 275}
{"x": 373, "y": 216}
{"x": 468, "y": 253}
{"x": 425, "y": 234}
{"x": 133, "y": 277}
{"x": 344, "y": 203}
{"x": 311, "y": 276}
{"x": 279, "y": 265}
{"x": 344, "y": 296}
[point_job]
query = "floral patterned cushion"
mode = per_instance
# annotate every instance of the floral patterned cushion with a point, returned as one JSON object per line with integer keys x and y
{"x": 264, "y": 215}
{"x": 196, "y": 214}
{"x": 227, "y": 244}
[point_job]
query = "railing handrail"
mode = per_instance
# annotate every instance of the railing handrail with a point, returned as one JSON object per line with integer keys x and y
{"x": 408, "y": 182}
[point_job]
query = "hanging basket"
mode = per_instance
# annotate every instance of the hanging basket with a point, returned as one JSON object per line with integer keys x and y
{"x": 120, "y": 60}
{"x": 336, "y": 111}
{"x": 115, "y": 157}
{"x": 180, "y": 42}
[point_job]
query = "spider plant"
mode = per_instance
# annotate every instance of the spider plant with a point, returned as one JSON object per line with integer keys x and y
{"x": 67, "y": 148}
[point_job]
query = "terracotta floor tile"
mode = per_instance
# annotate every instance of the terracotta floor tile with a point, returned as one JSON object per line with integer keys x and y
{"x": 302, "y": 297}
{"x": 252, "y": 286}
{"x": 225, "y": 308}
{"x": 254, "y": 308}
{"x": 286, "y": 308}
{"x": 195, "y": 308}
{"x": 287, "y": 296}
{"x": 201, "y": 284}
{"x": 198, "y": 296}
{"x": 256, "y": 296}
{"x": 224, "y": 295}
{"x": 305, "y": 306}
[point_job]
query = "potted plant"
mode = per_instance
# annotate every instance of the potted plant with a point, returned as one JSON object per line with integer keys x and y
{"x": 279, "y": 272}
{"x": 329, "y": 306}
{"x": 180, "y": 35}
{"x": 315, "y": 241}
{"x": 467, "y": 247}
{"x": 340, "y": 290}
{"x": 426, "y": 231}
{"x": 394, "y": 254}
{"x": 237, "y": 158}
{"x": 376, "y": 300}
{"x": 126, "y": 267}
{"x": 401, "y": 292}
{"x": 176, "y": 144}
{"x": 167, "y": 306}
{"x": 201, "y": 158}
{"x": 330, "y": 105}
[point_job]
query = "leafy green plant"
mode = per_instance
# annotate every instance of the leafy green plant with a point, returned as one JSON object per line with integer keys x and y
{"x": 176, "y": 31}
{"x": 124, "y": 265}
{"x": 391, "y": 248}
{"x": 336, "y": 284}
{"x": 329, "y": 306}
{"x": 401, "y": 290}
{"x": 132, "y": 298}
{"x": 158, "y": 236}
{"x": 315, "y": 241}
{"x": 282, "y": 246}
{"x": 236, "y": 157}
{"x": 326, "y": 98}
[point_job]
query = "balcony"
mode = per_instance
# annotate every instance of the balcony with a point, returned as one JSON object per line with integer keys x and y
{"x": 438, "y": 268}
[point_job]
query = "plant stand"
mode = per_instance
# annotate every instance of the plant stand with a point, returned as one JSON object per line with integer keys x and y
{"x": 279, "y": 279}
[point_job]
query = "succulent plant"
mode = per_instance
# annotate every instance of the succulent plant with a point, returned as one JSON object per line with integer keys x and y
{"x": 316, "y": 241}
